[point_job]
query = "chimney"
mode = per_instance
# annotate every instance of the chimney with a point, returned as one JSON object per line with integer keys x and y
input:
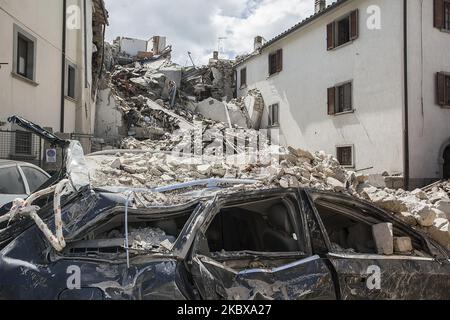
{"x": 156, "y": 45}
{"x": 216, "y": 55}
{"x": 320, "y": 5}
{"x": 258, "y": 42}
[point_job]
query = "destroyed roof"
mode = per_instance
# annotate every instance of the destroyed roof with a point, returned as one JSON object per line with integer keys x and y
{"x": 294, "y": 28}
{"x": 100, "y": 13}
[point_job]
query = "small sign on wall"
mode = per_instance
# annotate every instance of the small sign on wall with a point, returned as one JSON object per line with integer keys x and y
{"x": 50, "y": 155}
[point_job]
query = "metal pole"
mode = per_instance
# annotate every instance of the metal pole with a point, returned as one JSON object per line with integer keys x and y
{"x": 127, "y": 243}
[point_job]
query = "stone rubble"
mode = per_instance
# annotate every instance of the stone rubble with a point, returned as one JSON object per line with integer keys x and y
{"x": 142, "y": 91}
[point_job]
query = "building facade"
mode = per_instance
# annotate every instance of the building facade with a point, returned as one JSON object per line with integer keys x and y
{"x": 51, "y": 52}
{"x": 364, "y": 80}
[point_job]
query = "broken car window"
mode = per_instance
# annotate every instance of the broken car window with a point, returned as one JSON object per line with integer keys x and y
{"x": 145, "y": 234}
{"x": 351, "y": 230}
{"x": 267, "y": 228}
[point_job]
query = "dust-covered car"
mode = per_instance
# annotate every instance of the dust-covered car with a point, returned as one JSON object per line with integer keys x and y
{"x": 211, "y": 239}
{"x": 19, "y": 180}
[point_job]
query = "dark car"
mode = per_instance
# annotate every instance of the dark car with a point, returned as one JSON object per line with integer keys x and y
{"x": 217, "y": 243}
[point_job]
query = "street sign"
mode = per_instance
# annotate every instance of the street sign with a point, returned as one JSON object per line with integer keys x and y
{"x": 50, "y": 155}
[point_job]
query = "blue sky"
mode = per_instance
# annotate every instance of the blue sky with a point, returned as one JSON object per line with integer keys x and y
{"x": 196, "y": 25}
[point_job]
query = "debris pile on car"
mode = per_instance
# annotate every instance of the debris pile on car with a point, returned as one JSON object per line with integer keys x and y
{"x": 427, "y": 211}
{"x": 183, "y": 121}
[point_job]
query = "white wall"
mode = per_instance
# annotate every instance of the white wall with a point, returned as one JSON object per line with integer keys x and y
{"x": 373, "y": 62}
{"x": 430, "y": 124}
{"x": 132, "y": 46}
{"x": 40, "y": 102}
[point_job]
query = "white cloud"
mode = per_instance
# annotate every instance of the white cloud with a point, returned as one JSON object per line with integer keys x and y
{"x": 195, "y": 25}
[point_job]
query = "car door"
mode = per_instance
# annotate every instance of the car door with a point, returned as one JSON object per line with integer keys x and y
{"x": 260, "y": 272}
{"x": 365, "y": 275}
{"x": 11, "y": 185}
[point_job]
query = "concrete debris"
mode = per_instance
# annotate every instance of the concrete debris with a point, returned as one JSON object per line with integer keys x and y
{"x": 383, "y": 235}
{"x": 403, "y": 245}
{"x": 149, "y": 238}
{"x": 166, "y": 107}
{"x": 440, "y": 232}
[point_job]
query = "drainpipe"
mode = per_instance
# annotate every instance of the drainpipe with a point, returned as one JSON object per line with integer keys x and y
{"x": 406, "y": 164}
{"x": 63, "y": 66}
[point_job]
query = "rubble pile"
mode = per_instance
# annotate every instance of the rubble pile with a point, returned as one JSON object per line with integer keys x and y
{"x": 214, "y": 80}
{"x": 169, "y": 151}
{"x": 426, "y": 211}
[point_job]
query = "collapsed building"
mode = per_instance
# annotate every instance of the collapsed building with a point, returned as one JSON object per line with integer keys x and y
{"x": 159, "y": 112}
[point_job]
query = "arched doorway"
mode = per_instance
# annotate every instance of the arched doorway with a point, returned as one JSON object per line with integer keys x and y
{"x": 446, "y": 157}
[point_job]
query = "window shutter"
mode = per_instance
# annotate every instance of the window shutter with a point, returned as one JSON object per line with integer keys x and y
{"x": 439, "y": 14}
{"x": 243, "y": 77}
{"x": 354, "y": 24}
{"x": 330, "y": 36}
{"x": 331, "y": 101}
{"x": 440, "y": 89}
{"x": 279, "y": 60}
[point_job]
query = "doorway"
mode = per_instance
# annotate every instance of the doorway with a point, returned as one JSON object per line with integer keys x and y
{"x": 447, "y": 163}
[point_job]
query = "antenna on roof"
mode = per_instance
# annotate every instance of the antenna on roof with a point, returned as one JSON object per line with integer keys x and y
{"x": 190, "y": 57}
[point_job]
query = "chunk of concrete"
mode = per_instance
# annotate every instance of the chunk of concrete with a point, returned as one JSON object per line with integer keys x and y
{"x": 408, "y": 218}
{"x": 116, "y": 164}
{"x": 383, "y": 236}
{"x": 420, "y": 194}
{"x": 425, "y": 215}
{"x": 444, "y": 206}
{"x": 218, "y": 111}
{"x": 440, "y": 232}
{"x": 335, "y": 184}
{"x": 403, "y": 245}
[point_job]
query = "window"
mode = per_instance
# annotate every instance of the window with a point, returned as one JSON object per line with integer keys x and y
{"x": 23, "y": 143}
{"x": 345, "y": 156}
{"x": 243, "y": 77}
{"x": 340, "y": 99}
{"x": 24, "y": 54}
{"x": 266, "y": 226}
{"x": 442, "y": 14}
{"x": 11, "y": 181}
{"x": 350, "y": 228}
{"x": 443, "y": 89}
{"x": 276, "y": 62}
{"x": 34, "y": 177}
{"x": 343, "y": 30}
{"x": 146, "y": 234}
{"x": 274, "y": 113}
{"x": 71, "y": 75}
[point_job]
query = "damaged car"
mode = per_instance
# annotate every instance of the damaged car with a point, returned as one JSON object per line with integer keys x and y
{"x": 211, "y": 239}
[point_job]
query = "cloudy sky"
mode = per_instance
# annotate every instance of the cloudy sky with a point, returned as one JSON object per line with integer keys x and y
{"x": 196, "y": 25}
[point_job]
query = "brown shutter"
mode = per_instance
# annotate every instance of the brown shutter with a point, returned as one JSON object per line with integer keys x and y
{"x": 354, "y": 24}
{"x": 279, "y": 60}
{"x": 439, "y": 14}
{"x": 440, "y": 89}
{"x": 243, "y": 76}
{"x": 330, "y": 36}
{"x": 331, "y": 101}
